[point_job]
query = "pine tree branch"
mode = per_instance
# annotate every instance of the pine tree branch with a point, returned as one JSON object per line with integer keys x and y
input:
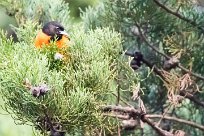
{"x": 123, "y": 117}
{"x": 158, "y": 71}
{"x": 176, "y": 14}
{"x": 122, "y": 100}
{"x": 144, "y": 38}
{"x": 190, "y": 72}
{"x": 190, "y": 123}
{"x": 160, "y": 131}
{"x": 130, "y": 110}
{"x": 192, "y": 98}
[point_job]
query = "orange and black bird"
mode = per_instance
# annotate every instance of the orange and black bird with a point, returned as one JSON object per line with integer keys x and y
{"x": 52, "y": 31}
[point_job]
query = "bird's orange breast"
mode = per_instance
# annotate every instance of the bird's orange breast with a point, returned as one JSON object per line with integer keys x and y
{"x": 43, "y": 39}
{"x": 62, "y": 43}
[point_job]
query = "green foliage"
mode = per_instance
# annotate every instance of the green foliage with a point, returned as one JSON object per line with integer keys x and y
{"x": 92, "y": 16}
{"x": 76, "y": 5}
{"x": 39, "y": 10}
{"x": 77, "y": 91}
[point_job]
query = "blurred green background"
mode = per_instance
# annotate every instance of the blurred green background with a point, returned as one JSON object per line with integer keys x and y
{"x": 7, "y": 124}
{"x": 74, "y": 5}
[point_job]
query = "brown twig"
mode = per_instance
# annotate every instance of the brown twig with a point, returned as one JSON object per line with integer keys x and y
{"x": 190, "y": 72}
{"x": 191, "y": 97}
{"x": 160, "y": 131}
{"x": 122, "y": 100}
{"x": 118, "y": 94}
{"x": 123, "y": 117}
{"x": 130, "y": 110}
{"x": 119, "y": 131}
{"x": 177, "y": 10}
{"x": 182, "y": 121}
{"x": 192, "y": 22}
{"x": 155, "y": 68}
{"x": 163, "y": 114}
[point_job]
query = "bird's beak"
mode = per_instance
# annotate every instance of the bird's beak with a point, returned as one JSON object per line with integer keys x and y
{"x": 63, "y": 33}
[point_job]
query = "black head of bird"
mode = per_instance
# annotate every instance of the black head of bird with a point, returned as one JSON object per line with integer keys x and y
{"x": 52, "y": 31}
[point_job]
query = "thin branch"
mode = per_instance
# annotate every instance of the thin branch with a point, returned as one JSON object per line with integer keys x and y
{"x": 122, "y": 100}
{"x": 191, "y": 73}
{"x": 148, "y": 43}
{"x": 166, "y": 1}
{"x": 182, "y": 121}
{"x": 160, "y": 131}
{"x": 119, "y": 131}
{"x": 163, "y": 114}
{"x": 178, "y": 8}
{"x": 191, "y": 97}
{"x": 123, "y": 117}
{"x": 192, "y": 22}
{"x": 118, "y": 93}
{"x": 130, "y": 110}
{"x": 155, "y": 68}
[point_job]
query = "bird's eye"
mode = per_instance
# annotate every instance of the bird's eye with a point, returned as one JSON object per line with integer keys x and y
{"x": 59, "y": 28}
